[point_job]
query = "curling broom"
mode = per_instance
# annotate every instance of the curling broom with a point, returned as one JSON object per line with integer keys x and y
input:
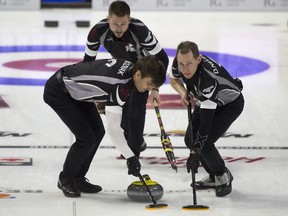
{"x": 195, "y": 206}
{"x": 165, "y": 140}
{"x": 155, "y": 205}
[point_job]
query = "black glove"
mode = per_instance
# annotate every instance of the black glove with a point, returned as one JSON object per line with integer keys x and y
{"x": 193, "y": 162}
{"x": 133, "y": 166}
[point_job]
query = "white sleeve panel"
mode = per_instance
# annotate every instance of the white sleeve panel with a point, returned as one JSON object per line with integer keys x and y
{"x": 90, "y": 52}
{"x": 156, "y": 49}
{"x": 114, "y": 109}
{"x": 115, "y": 132}
{"x": 208, "y": 104}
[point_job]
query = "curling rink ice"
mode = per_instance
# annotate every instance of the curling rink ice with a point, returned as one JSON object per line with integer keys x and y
{"x": 34, "y": 142}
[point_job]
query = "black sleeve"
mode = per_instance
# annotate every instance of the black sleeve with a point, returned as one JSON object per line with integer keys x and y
{"x": 192, "y": 128}
{"x": 93, "y": 40}
{"x": 119, "y": 94}
{"x": 162, "y": 56}
{"x": 148, "y": 41}
{"x": 175, "y": 72}
{"x": 88, "y": 58}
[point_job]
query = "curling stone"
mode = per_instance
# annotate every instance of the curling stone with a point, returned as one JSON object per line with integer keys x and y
{"x": 136, "y": 191}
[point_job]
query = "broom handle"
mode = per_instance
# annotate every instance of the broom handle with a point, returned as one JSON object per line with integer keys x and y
{"x": 192, "y": 171}
{"x": 194, "y": 188}
{"x": 148, "y": 190}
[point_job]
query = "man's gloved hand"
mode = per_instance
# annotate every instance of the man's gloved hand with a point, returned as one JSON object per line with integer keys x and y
{"x": 133, "y": 166}
{"x": 193, "y": 162}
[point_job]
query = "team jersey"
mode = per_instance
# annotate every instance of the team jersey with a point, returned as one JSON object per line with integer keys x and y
{"x": 105, "y": 80}
{"x": 138, "y": 41}
{"x": 214, "y": 87}
{"x": 210, "y": 82}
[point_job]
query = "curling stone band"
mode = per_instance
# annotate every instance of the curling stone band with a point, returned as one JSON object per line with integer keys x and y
{"x": 136, "y": 191}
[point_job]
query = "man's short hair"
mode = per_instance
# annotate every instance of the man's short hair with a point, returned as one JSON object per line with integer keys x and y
{"x": 119, "y": 9}
{"x": 150, "y": 66}
{"x": 186, "y": 46}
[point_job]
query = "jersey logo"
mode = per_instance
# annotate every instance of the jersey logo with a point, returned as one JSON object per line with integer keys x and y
{"x": 130, "y": 48}
{"x": 212, "y": 63}
{"x": 124, "y": 67}
{"x": 111, "y": 62}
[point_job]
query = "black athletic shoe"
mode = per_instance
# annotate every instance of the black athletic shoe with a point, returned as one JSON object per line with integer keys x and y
{"x": 68, "y": 187}
{"x": 84, "y": 186}
{"x": 224, "y": 184}
{"x": 205, "y": 183}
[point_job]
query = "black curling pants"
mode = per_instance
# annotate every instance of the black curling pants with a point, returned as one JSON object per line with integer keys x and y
{"x": 224, "y": 116}
{"x": 83, "y": 120}
{"x": 133, "y": 119}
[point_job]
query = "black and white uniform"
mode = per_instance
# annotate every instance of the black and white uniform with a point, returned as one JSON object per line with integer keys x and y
{"x": 71, "y": 93}
{"x": 221, "y": 104}
{"x": 138, "y": 41}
